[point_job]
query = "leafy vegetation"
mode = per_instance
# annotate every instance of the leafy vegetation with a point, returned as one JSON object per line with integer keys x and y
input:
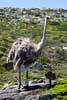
{"x": 60, "y": 89}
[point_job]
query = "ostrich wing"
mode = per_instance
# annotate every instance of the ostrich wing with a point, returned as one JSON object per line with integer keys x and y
{"x": 26, "y": 54}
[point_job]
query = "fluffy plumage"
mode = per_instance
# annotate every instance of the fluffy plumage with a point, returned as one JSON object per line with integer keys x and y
{"x": 25, "y": 50}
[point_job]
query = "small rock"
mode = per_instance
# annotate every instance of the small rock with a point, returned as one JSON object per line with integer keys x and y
{"x": 44, "y": 97}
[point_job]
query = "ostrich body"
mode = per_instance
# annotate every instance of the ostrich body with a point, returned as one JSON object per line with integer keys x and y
{"x": 25, "y": 52}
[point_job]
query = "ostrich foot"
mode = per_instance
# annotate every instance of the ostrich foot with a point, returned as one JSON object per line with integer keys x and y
{"x": 18, "y": 90}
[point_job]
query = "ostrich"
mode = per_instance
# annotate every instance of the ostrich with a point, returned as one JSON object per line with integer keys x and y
{"x": 51, "y": 76}
{"x": 25, "y": 52}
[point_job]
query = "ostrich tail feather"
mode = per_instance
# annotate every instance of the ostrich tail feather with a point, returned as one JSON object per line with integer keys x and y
{"x": 15, "y": 67}
{"x": 7, "y": 60}
{"x": 16, "y": 64}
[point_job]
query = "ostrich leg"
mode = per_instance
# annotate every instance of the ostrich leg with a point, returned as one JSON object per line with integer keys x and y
{"x": 50, "y": 82}
{"x": 19, "y": 76}
{"x": 26, "y": 76}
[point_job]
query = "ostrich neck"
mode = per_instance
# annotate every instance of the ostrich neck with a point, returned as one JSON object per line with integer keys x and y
{"x": 42, "y": 42}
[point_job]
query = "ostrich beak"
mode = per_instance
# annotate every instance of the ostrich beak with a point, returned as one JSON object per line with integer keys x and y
{"x": 48, "y": 17}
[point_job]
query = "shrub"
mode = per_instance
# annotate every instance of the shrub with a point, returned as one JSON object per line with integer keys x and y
{"x": 53, "y": 23}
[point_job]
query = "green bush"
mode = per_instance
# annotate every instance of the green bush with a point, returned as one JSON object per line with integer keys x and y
{"x": 53, "y": 23}
{"x": 43, "y": 60}
{"x": 1, "y": 85}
